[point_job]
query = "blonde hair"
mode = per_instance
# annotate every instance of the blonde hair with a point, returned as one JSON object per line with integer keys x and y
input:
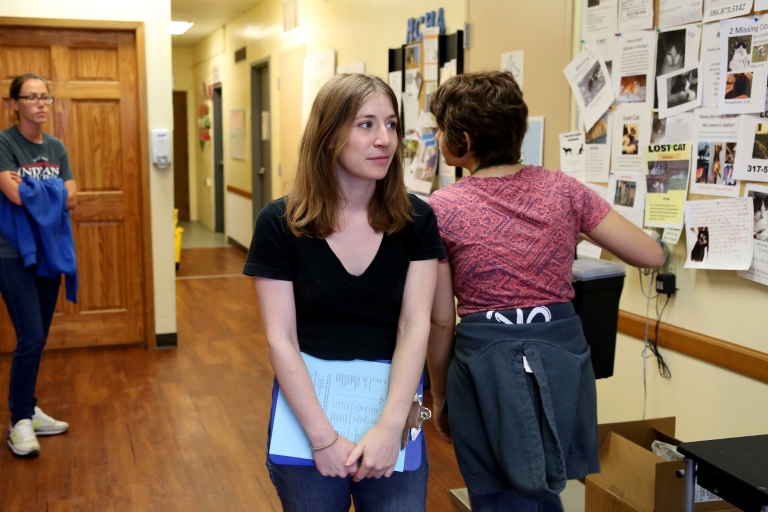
{"x": 313, "y": 205}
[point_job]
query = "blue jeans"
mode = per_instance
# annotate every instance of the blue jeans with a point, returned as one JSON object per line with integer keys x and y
{"x": 303, "y": 488}
{"x": 31, "y": 301}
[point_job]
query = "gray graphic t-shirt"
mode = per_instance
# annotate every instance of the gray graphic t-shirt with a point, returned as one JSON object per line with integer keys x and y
{"x": 40, "y": 161}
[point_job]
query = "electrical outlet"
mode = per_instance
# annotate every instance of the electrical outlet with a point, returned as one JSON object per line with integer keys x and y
{"x": 675, "y": 267}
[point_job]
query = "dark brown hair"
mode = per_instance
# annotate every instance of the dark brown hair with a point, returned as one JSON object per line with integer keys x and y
{"x": 488, "y": 106}
{"x": 18, "y": 82}
{"x": 313, "y": 205}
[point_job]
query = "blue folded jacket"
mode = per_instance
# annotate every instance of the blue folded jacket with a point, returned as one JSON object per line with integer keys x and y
{"x": 41, "y": 230}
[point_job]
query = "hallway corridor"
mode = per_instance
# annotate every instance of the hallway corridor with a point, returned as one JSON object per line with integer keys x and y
{"x": 169, "y": 430}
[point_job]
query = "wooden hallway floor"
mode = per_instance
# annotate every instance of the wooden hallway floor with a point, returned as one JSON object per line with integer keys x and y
{"x": 169, "y": 430}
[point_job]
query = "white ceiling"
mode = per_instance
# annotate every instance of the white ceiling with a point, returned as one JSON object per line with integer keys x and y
{"x": 207, "y": 16}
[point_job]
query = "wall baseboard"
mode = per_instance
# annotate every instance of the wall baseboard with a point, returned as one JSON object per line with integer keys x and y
{"x": 237, "y": 245}
{"x": 167, "y": 340}
{"x": 743, "y": 360}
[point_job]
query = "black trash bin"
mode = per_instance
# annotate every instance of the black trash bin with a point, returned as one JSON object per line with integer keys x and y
{"x": 598, "y": 285}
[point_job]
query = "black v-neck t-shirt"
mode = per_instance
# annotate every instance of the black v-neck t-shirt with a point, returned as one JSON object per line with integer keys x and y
{"x": 340, "y": 316}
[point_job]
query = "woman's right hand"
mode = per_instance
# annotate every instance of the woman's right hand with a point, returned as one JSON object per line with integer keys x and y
{"x": 441, "y": 420}
{"x": 330, "y": 461}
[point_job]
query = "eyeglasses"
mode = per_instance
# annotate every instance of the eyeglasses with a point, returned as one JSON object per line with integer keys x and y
{"x": 33, "y": 99}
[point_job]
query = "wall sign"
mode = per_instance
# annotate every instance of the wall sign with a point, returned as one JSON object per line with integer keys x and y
{"x": 430, "y": 19}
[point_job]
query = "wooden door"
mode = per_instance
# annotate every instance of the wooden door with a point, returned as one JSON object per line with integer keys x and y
{"x": 291, "y": 74}
{"x": 93, "y": 76}
{"x": 180, "y": 155}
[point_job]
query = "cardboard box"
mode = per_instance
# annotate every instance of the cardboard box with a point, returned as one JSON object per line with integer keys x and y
{"x": 632, "y": 477}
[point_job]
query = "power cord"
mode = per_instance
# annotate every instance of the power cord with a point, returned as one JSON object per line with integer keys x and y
{"x": 651, "y": 344}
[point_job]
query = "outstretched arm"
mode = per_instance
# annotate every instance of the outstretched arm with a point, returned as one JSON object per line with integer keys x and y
{"x": 628, "y": 242}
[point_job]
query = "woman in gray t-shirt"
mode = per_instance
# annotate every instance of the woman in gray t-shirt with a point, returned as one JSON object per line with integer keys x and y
{"x": 30, "y": 299}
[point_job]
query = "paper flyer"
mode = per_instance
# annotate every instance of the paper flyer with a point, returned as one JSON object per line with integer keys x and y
{"x": 572, "y": 154}
{"x": 758, "y": 270}
{"x": 627, "y": 193}
{"x": 752, "y": 160}
{"x": 667, "y": 184}
{"x": 421, "y": 172}
{"x": 710, "y": 62}
{"x": 635, "y": 15}
{"x": 607, "y": 47}
{"x": 631, "y": 132}
{"x": 598, "y": 18}
{"x": 721, "y": 9}
{"x": 678, "y": 12}
{"x": 679, "y": 91}
{"x": 719, "y": 234}
{"x": 672, "y": 130}
{"x": 352, "y": 395}
{"x": 676, "y": 48}
{"x": 446, "y": 173}
{"x": 597, "y": 149}
{"x": 715, "y": 147}
{"x": 761, "y": 5}
{"x": 430, "y": 44}
{"x": 671, "y": 236}
{"x": 396, "y": 83}
{"x": 744, "y": 64}
{"x": 513, "y": 62}
{"x": 591, "y": 85}
{"x": 633, "y": 69}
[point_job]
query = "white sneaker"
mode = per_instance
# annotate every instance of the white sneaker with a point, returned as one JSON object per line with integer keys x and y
{"x": 22, "y": 439}
{"x": 44, "y": 425}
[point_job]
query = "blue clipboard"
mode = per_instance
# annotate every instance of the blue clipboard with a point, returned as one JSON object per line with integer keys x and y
{"x": 413, "y": 447}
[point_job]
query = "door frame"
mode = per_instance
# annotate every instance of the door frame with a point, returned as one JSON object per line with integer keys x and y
{"x": 137, "y": 27}
{"x": 219, "y": 180}
{"x": 257, "y": 201}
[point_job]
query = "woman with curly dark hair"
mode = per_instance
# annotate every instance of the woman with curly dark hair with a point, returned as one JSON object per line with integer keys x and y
{"x": 518, "y": 400}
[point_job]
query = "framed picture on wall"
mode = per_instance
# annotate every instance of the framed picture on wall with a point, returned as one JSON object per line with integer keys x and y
{"x": 532, "y": 152}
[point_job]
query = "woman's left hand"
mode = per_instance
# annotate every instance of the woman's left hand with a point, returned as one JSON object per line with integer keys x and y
{"x": 378, "y": 448}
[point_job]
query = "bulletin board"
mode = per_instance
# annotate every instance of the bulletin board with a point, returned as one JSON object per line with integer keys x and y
{"x": 715, "y": 316}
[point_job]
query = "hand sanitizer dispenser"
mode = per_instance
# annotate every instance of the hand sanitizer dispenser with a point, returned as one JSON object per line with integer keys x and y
{"x": 161, "y": 148}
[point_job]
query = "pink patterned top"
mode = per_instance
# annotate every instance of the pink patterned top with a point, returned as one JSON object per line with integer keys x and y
{"x": 511, "y": 240}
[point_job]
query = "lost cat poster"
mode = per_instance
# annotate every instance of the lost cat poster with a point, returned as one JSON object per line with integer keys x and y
{"x": 673, "y": 129}
{"x": 572, "y": 154}
{"x": 710, "y": 62}
{"x": 678, "y": 12}
{"x": 599, "y": 18}
{"x": 718, "y": 234}
{"x": 635, "y": 15}
{"x": 677, "y": 48}
{"x": 667, "y": 183}
{"x": 633, "y": 72}
{"x": 679, "y": 91}
{"x": 590, "y": 84}
{"x": 631, "y": 132}
{"x": 752, "y": 156}
{"x": 743, "y": 65}
{"x": 721, "y": 9}
{"x": 626, "y": 193}
{"x": 714, "y": 153}
{"x": 597, "y": 149}
{"x": 758, "y": 270}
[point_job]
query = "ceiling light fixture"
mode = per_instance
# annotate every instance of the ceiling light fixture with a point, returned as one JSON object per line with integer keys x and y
{"x": 179, "y": 27}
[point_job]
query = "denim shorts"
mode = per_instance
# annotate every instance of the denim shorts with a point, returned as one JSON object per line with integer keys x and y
{"x": 303, "y": 489}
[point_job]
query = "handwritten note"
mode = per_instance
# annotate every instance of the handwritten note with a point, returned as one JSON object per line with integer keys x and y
{"x": 719, "y": 234}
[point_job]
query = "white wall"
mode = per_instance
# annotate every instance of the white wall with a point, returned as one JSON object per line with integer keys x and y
{"x": 156, "y": 15}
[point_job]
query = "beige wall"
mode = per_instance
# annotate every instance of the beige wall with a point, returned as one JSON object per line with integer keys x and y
{"x": 358, "y": 31}
{"x": 184, "y": 80}
{"x": 156, "y": 15}
{"x": 205, "y": 55}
